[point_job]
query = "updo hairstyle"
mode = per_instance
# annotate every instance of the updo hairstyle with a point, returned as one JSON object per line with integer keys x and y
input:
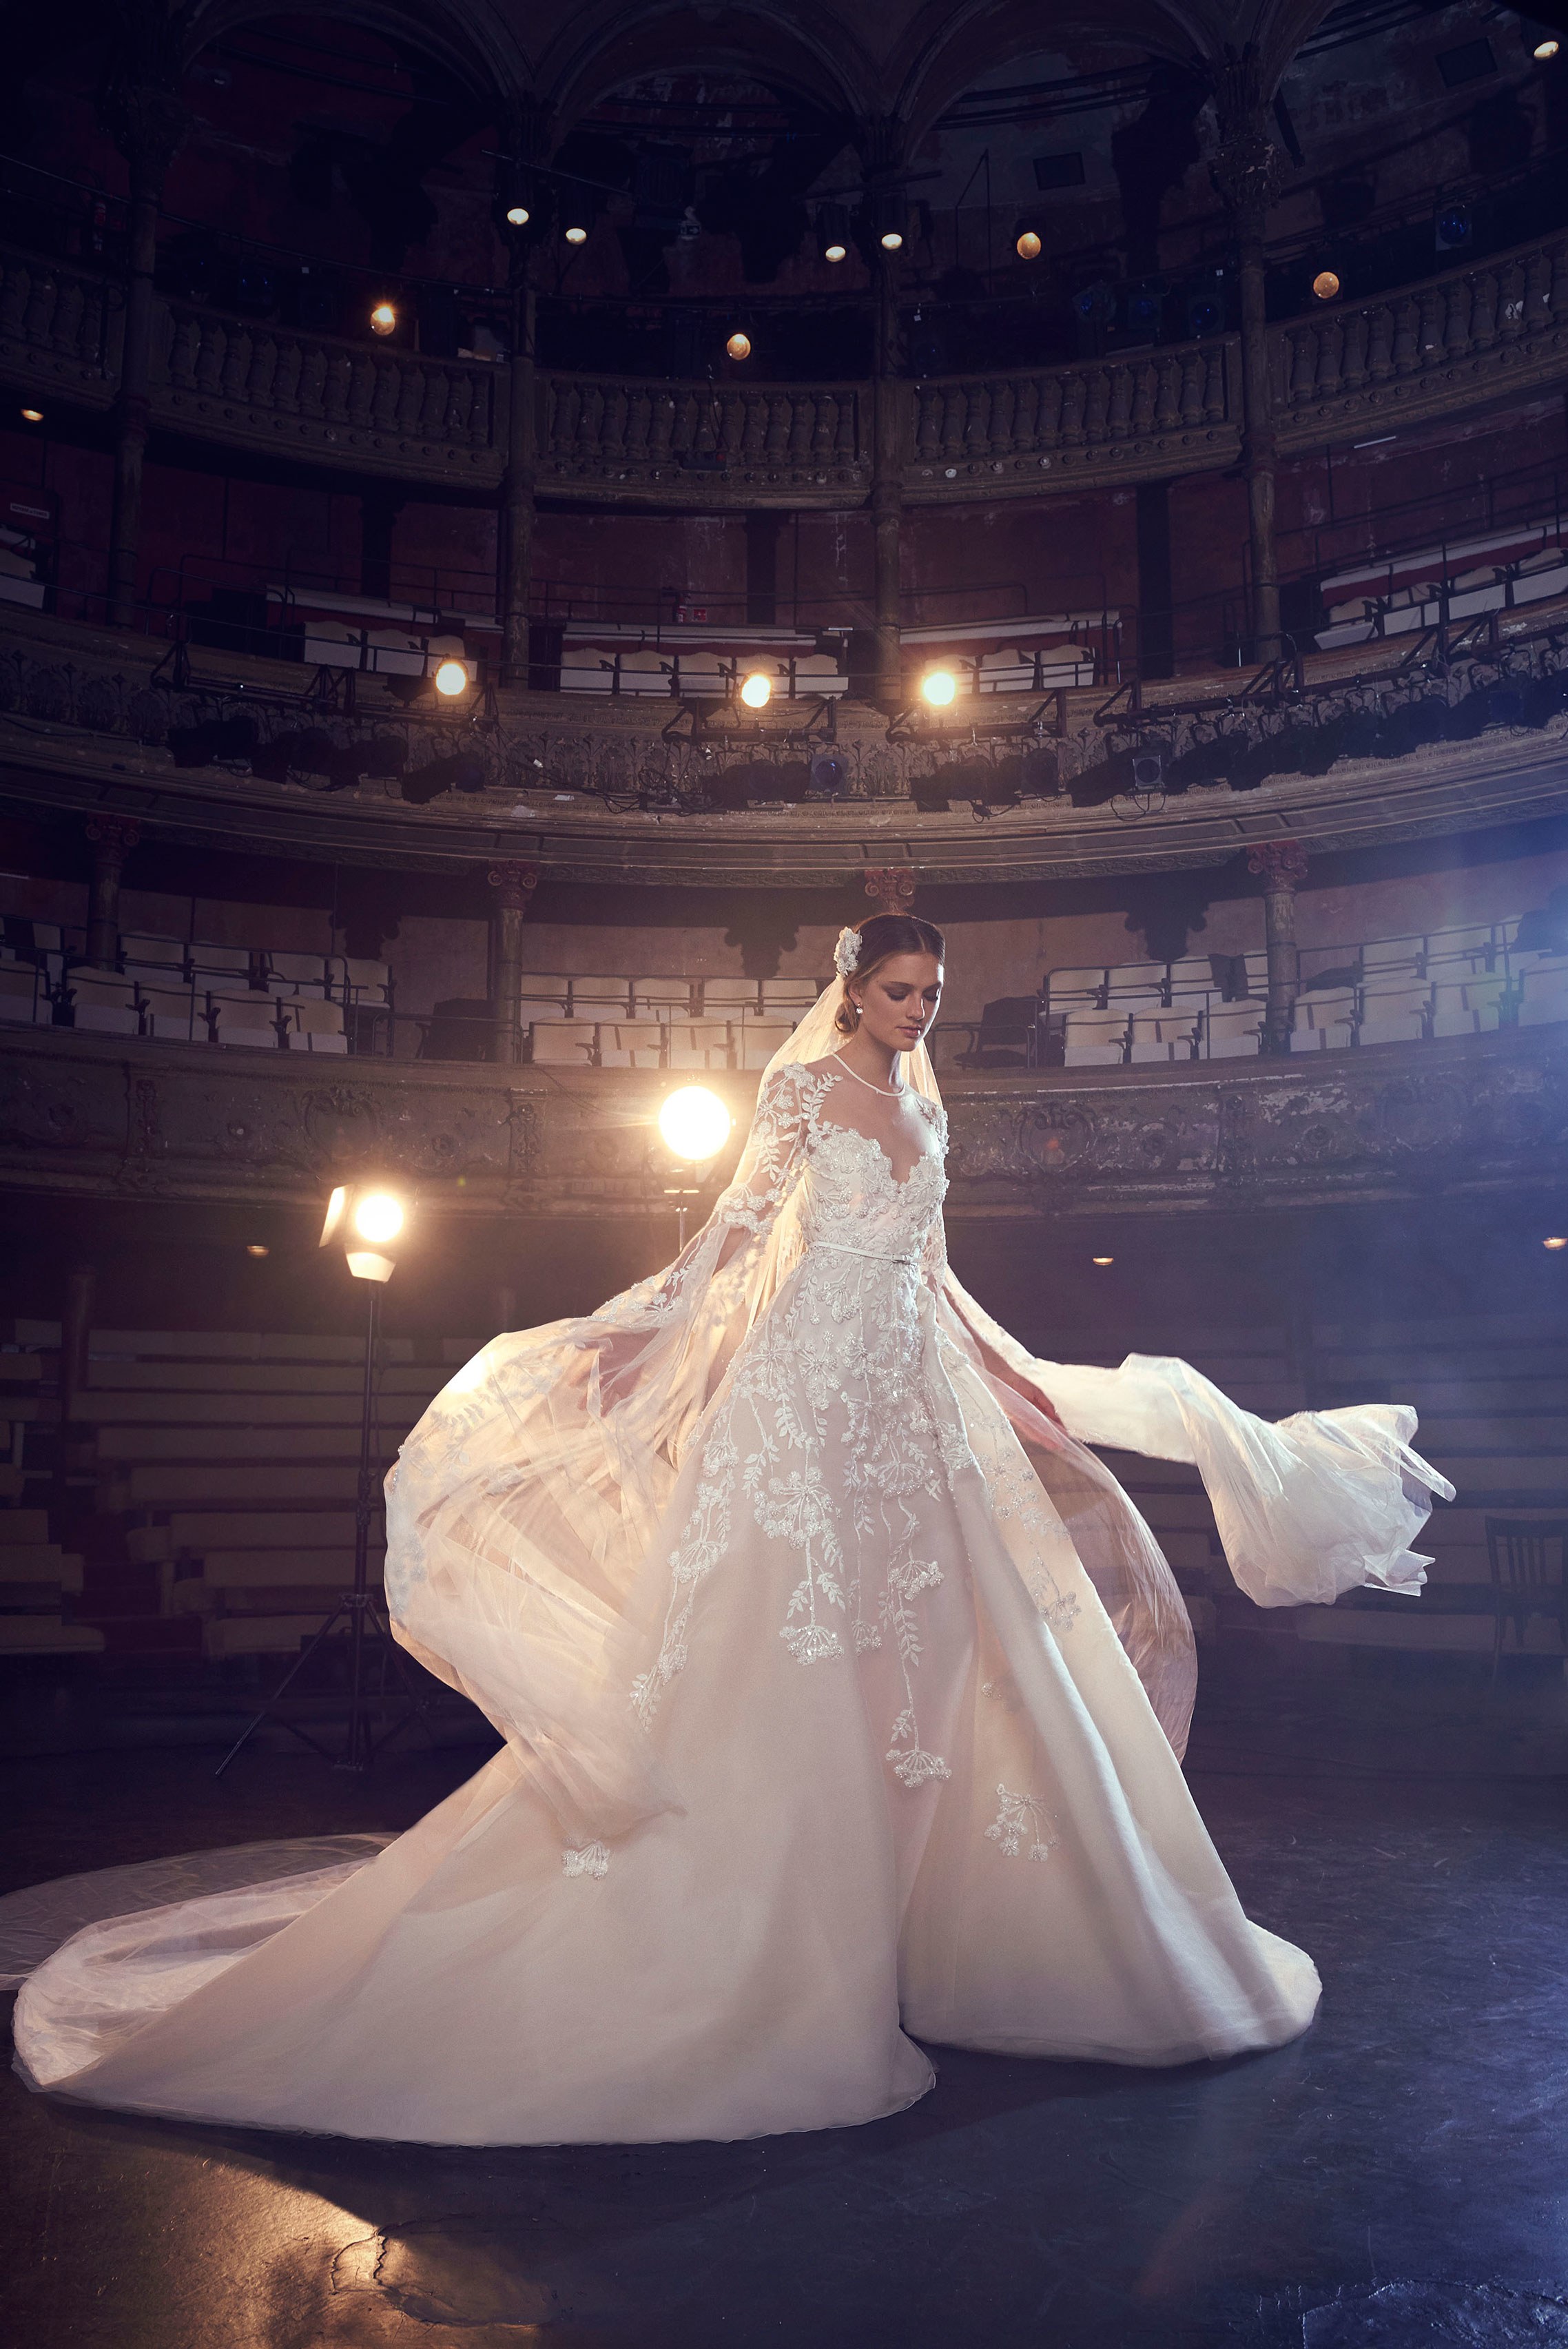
{"x": 881, "y": 936}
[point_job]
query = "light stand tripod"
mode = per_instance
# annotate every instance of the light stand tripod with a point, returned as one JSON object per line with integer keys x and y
{"x": 365, "y": 1620}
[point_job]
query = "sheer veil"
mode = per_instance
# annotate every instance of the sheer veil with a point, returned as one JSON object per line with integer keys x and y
{"x": 533, "y": 1511}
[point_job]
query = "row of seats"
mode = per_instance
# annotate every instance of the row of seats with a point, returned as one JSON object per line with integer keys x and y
{"x": 607, "y": 996}
{"x": 1325, "y": 1019}
{"x": 1466, "y": 951}
{"x": 1422, "y": 601}
{"x": 656, "y": 1044}
{"x": 188, "y": 991}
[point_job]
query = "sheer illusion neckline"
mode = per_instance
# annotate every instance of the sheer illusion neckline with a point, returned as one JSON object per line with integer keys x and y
{"x": 900, "y": 1182}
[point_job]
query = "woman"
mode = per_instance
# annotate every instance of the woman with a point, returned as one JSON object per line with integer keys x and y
{"x": 843, "y": 1692}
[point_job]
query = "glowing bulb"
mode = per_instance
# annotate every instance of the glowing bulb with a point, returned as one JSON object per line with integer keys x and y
{"x": 1104, "y": 1259}
{"x": 757, "y": 692}
{"x": 383, "y": 319}
{"x": 254, "y": 1248}
{"x": 694, "y": 1124}
{"x": 740, "y": 347}
{"x": 451, "y": 678}
{"x": 576, "y": 236}
{"x": 835, "y": 253}
{"x": 1554, "y": 1244}
{"x": 377, "y": 1217}
{"x": 1028, "y": 246}
{"x": 1544, "y": 50}
{"x": 939, "y": 686}
{"x": 517, "y": 215}
{"x": 31, "y": 415}
{"x": 893, "y": 240}
{"x": 1325, "y": 284}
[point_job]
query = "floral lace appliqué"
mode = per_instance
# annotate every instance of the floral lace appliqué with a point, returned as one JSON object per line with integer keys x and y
{"x": 1021, "y": 1817}
{"x": 585, "y": 1859}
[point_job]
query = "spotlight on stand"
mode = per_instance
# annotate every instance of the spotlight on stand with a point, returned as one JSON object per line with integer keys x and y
{"x": 383, "y": 319}
{"x": 939, "y": 686}
{"x": 451, "y": 679}
{"x": 757, "y": 690}
{"x": 576, "y": 235}
{"x": 1545, "y": 48}
{"x": 517, "y": 215}
{"x": 694, "y": 1126}
{"x": 892, "y": 240}
{"x": 827, "y": 777}
{"x": 366, "y": 1220}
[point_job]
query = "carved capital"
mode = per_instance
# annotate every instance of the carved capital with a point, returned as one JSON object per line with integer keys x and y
{"x": 514, "y": 883}
{"x": 113, "y": 838}
{"x": 892, "y": 887}
{"x": 1247, "y": 167}
{"x": 148, "y": 124}
{"x": 1281, "y": 863}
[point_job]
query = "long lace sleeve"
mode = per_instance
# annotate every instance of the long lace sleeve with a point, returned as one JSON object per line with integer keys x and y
{"x": 775, "y": 1152}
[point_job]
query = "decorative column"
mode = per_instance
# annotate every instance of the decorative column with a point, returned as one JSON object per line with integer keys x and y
{"x": 1247, "y": 169}
{"x": 891, "y": 887}
{"x": 148, "y": 124}
{"x": 1282, "y": 864}
{"x": 883, "y": 207}
{"x": 113, "y": 837}
{"x": 515, "y": 537}
{"x": 514, "y": 885}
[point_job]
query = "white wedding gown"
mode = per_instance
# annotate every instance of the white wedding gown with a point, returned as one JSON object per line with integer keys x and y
{"x": 813, "y": 1641}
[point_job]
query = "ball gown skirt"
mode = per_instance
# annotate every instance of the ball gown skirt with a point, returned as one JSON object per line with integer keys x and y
{"x": 841, "y": 1689}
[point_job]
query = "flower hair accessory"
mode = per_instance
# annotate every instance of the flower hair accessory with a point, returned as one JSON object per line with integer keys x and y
{"x": 847, "y": 953}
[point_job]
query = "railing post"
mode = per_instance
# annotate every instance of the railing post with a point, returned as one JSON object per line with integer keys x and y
{"x": 1282, "y": 864}
{"x": 515, "y": 548}
{"x": 147, "y": 125}
{"x": 1247, "y": 167}
{"x": 514, "y": 885}
{"x": 113, "y": 838}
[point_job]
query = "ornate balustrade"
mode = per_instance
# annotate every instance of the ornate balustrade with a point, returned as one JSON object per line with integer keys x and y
{"x": 1502, "y": 324}
{"x": 1444, "y": 345}
{"x": 109, "y": 1119}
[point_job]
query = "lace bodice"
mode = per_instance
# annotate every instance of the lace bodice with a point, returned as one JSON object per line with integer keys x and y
{"x": 852, "y": 1198}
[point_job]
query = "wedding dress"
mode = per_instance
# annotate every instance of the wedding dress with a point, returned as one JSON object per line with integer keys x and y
{"x": 843, "y": 1692}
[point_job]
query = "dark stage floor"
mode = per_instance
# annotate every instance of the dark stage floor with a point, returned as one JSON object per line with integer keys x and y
{"x": 1398, "y": 2177}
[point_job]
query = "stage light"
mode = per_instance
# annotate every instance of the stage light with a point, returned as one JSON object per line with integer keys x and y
{"x": 377, "y": 1217}
{"x": 740, "y": 347}
{"x": 694, "y": 1124}
{"x": 451, "y": 678}
{"x": 254, "y": 1248}
{"x": 1103, "y": 1259}
{"x": 1028, "y": 246}
{"x": 939, "y": 687}
{"x": 31, "y": 415}
{"x": 1325, "y": 284}
{"x": 835, "y": 252}
{"x": 517, "y": 215}
{"x": 1544, "y": 50}
{"x": 576, "y": 236}
{"x": 368, "y": 1213}
{"x": 757, "y": 690}
{"x": 893, "y": 240}
{"x": 1554, "y": 1244}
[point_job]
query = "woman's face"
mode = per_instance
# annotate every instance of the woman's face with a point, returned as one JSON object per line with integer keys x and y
{"x": 898, "y": 1001}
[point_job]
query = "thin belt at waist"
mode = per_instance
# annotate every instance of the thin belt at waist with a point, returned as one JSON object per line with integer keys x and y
{"x": 874, "y": 1255}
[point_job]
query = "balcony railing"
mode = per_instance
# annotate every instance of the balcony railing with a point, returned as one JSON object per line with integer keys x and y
{"x": 1446, "y": 343}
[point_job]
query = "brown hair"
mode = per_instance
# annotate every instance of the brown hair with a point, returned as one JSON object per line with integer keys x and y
{"x": 882, "y": 936}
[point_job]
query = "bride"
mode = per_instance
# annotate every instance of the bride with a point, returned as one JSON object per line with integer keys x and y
{"x": 843, "y": 1692}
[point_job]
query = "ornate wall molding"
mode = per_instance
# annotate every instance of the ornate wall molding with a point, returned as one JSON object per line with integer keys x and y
{"x": 102, "y": 1118}
{"x": 1446, "y": 344}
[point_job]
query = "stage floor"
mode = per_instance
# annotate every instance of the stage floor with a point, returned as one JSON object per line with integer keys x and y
{"x": 1399, "y": 2176}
